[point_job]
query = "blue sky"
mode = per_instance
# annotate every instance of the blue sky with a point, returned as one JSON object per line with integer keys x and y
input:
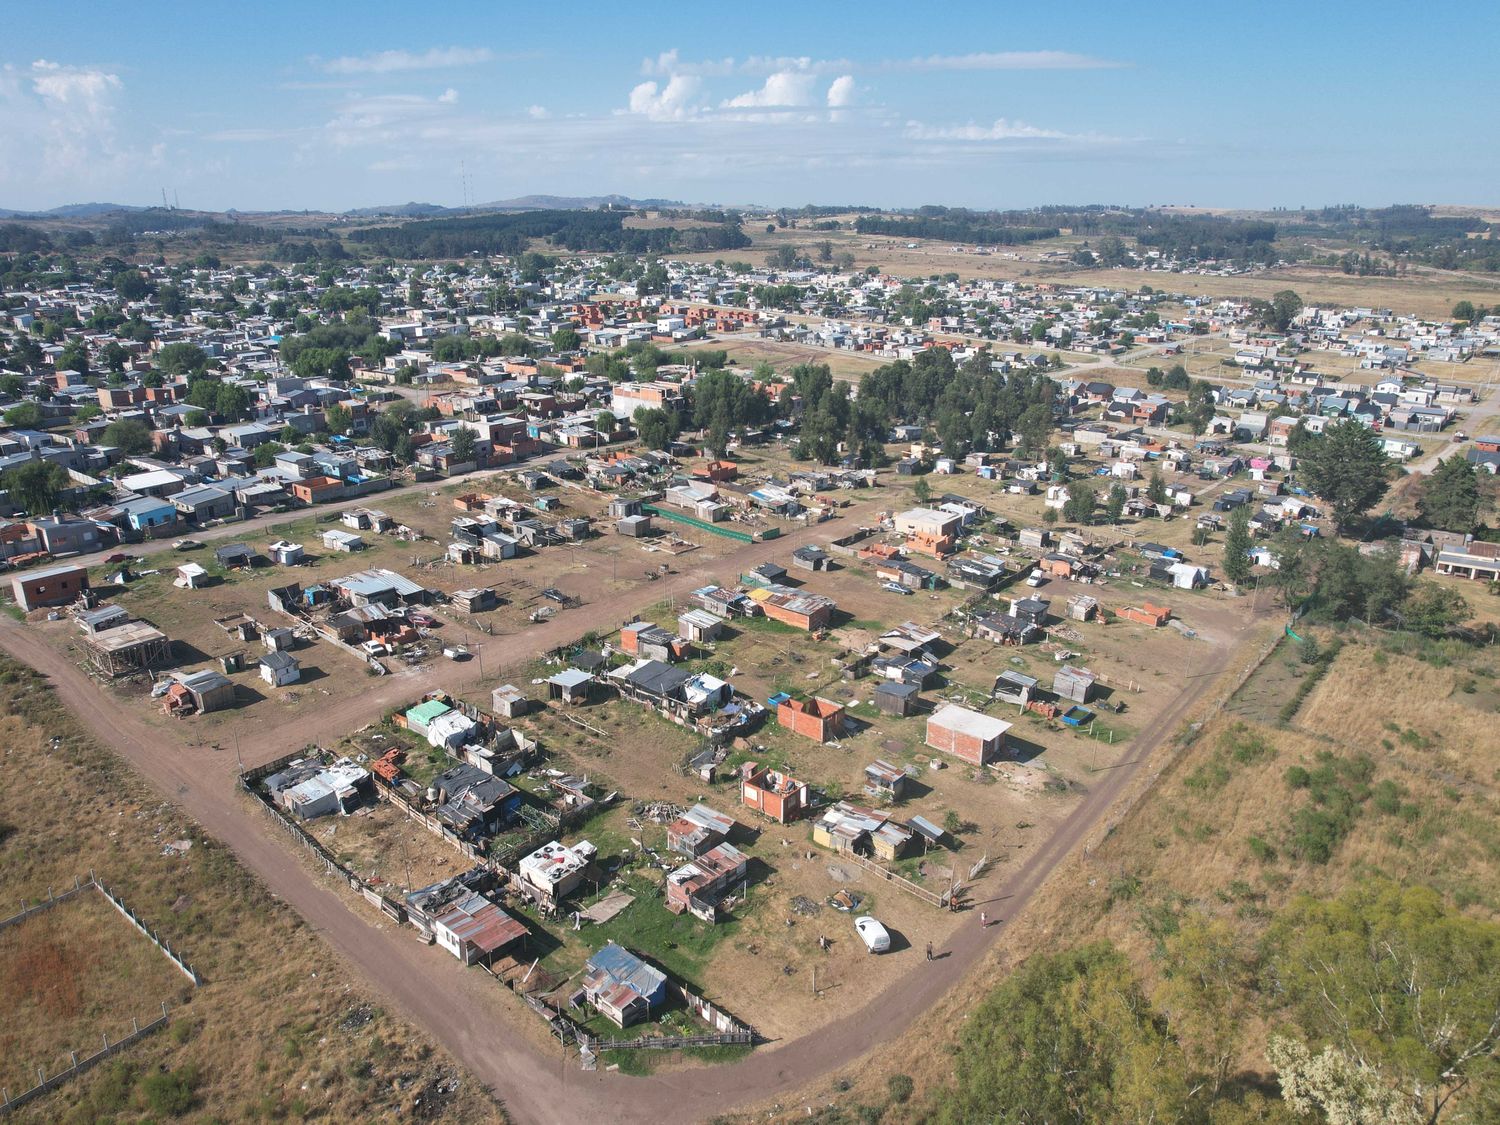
{"x": 333, "y": 105}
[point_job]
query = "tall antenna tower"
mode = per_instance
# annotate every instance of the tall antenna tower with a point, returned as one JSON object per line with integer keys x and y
{"x": 165, "y": 206}
{"x": 463, "y": 175}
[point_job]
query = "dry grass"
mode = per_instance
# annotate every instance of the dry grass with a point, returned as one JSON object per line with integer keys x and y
{"x": 279, "y": 1028}
{"x": 1378, "y": 702}
{"x": 70, "y": 975}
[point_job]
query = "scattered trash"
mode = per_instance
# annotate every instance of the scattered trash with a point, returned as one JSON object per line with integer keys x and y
{"x": 846, "y": 900}
{"x": 805, "y": 906}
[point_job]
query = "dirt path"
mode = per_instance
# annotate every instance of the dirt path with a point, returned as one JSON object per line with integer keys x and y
{"x": 438, "y": 994}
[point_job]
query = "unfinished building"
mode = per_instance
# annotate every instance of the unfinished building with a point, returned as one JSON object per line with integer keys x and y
{"x": 132, "y": 647}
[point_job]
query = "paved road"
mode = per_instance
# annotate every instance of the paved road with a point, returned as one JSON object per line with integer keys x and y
{"x": 440, "y": 996}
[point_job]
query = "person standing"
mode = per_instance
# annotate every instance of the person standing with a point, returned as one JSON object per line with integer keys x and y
{"x": 984, "y": 920}
{"x": 929, "y": 951}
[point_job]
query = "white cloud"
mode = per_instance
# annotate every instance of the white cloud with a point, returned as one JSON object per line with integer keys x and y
{"x": 75, "y": 90}
{"x": 57, "y": 122}
{"x": 841, "y": 92}
{"x": 677, "y": 100}
{"x": 783, "y": 90}
{"x": 448, "y": 96}
{"x": 389, "y": 62}
{"x": 669, "y": 63}
{"x": 538, "y": 112}
{"x": 1002, "y": 129}
{"x": 1006, "y": 60}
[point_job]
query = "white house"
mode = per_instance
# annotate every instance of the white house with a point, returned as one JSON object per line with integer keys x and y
{"x": 279, "y": 669}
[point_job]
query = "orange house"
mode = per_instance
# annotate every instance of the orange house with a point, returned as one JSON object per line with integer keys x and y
{"x": 777, "y": 795}
{"x": 818, "y": 719}
{"x": 1154, "y": 615}
{"x": 316, "y": 490}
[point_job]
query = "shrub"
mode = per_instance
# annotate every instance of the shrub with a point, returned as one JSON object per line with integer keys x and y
{"x": 1261, "y": 850}
{"x": 900, "y": 1087}
{"x": 169, "y": 1092}
{"x": 1297, "y": 777}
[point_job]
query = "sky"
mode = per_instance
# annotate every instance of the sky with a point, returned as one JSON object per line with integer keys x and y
{"x": 329, "y": 106}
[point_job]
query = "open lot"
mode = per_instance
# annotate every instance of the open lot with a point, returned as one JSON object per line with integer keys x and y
{"x": 70, "y": 975}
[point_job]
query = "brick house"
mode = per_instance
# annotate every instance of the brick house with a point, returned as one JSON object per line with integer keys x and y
{"x": 818, "y": 719}
{"x": 967, "y": 735}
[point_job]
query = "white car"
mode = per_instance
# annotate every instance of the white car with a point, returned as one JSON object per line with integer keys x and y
{"x": 873, "y": 934}
{"x": 1036, "y": 578}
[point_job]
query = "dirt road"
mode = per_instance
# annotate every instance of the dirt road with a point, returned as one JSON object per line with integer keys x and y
{"x": 438, "y": 994}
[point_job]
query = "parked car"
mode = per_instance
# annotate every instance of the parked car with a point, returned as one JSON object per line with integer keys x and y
{"x": 894, "y": 587}
{"x": 1036, "y": 578}
{"x": 875, "y": 936}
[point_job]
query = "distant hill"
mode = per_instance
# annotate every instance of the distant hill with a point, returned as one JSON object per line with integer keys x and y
{"x": 70, "y": 211}
{"x": 572, "y": 203}
{"x": 404, "y": 210}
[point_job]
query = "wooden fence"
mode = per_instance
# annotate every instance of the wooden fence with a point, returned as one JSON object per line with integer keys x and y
{"x": 932, "y": 898}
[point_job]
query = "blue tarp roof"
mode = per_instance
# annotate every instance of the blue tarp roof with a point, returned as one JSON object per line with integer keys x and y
{"x": 624, "y": 967}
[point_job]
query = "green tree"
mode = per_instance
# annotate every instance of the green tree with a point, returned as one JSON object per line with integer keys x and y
{"x": 181, "y": 359}
{"x": 87, "y": 412}
{"x": 1404, "y": 988}
{"x": 36, "y": 485}
{"x": 1278, "y": 313}
{"x": 338, "y": 418}
{"x": 1069, "y": 1037}
{"x": 567, "y": 339}
{"x": 1464, "y": 311}
{"x": 1452, "y": 500}
{"x": 74, "y": 357}
{"x": 1209, "y": 980}
{"x": 1156, "y": 488}
{"x": 1114, "y": 504}
{"x": 196, "y": 418}
{"x": 1433, "y": 610}
{"x": 921, "y": 491}
{"x": 130, "y": 285}
{"x": 114, "y": 356}
{"x": 463, "y": 444}
{"x": 1081, "y": 502}
{"x": 24, "y": 416}
{"x": 231, "y": 403}
{"x": 130, "y": 436}
{"x": 1237, "y": 564}
{"x": 1035, "y": 427}
{"x": 1346, "y": 467}
{"x": 656, "y": 428}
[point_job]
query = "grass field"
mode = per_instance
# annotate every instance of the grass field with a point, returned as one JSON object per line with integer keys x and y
{"x": 279, "y": 1028}
{"x": 70, "y": 975}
